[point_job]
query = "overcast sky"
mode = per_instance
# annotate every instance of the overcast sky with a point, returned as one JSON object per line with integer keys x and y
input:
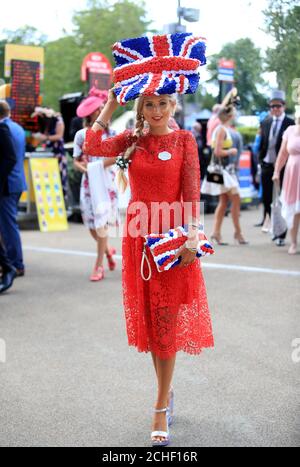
{"x": 220, "y": 21}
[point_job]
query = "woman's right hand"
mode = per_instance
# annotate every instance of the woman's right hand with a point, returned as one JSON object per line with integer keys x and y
{"x": 107, "y": 111}
{"x": 112, "y": 99}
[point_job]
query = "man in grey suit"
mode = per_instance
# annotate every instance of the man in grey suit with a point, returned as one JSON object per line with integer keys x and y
{"x": 272, "y": 129}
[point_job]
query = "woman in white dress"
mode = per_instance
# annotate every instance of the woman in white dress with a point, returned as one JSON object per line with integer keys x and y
{"x": 228, "y": 191}
{"x": 98, "y": 193}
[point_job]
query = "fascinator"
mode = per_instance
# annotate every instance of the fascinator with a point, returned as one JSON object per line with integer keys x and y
{"x": 161, "y": 64}
{"x": 95, "y": 99}
{"x": 231, "y": 100}
{"x": 44, "y": 112}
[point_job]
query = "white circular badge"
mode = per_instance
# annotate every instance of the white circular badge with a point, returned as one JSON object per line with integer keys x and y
{"x": 164, "y": 156}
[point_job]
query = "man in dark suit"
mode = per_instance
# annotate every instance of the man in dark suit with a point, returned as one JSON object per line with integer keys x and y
{"x": 272, "y": 129}
{"x": 8, "y": 160}
{"x": 14, "y": 186}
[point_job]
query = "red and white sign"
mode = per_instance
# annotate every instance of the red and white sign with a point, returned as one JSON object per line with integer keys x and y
{"x": 225, "y": 63}
{"x": 95, "y": 63}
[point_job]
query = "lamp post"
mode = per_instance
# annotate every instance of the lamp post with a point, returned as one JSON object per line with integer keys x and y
{"x": 190, "y": 15}
{"x": 181, "y": 100}
{"x": 179, "y": 12}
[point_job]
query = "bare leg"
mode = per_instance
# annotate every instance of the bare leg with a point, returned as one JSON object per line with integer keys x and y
{"x": 165, "y": 371}
{"x": 95, "y": 237}
{"x": 154, "y": 358}
{"x": 220, "y": 214}
{"x": 101, "y": 249}
{"x": 93, "y": 234}
{"x": 294, "y": 234}
{"x": 154, "y": 362}
{"x": 235, "y": 212}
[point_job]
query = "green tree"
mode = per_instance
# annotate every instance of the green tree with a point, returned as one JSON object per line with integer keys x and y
{"x": 26, "y": 35}
{"x": 248, "y": 73}
{"x": 282, "y": 21}
{"x": 95, "y": 29}
{"x": 63, "y": 60}
{"x": 100, "y": 26}
{"x": 202, "y": 99}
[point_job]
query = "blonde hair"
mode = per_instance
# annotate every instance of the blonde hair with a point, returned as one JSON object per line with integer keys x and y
{"x": 226, "y": 113}
{"x": 121, "y": 179}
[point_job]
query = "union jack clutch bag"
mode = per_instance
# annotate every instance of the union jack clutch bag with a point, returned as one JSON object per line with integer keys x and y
{"x": 164, "y": 247}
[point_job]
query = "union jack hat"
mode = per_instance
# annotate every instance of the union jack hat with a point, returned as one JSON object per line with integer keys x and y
{"x": 166, "y": 64}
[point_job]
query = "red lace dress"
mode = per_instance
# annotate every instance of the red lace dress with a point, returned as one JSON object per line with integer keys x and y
{"x": 170, "y": 312}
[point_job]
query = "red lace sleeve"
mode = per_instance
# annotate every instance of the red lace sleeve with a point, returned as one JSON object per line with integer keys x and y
{"x": 111, "y": 147}
{"x": 191, "y": 178}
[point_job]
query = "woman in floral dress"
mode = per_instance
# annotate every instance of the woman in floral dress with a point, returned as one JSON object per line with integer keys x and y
{"x": 96, "y": 223}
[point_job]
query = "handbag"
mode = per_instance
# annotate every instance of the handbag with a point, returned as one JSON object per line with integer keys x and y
{"x": 215, "y": 171}
{"x": 278, "y": 223}
{"x": 164, "y": 247}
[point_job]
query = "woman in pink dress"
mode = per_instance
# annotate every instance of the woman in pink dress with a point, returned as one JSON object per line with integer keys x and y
{"x": 290, "y": 195}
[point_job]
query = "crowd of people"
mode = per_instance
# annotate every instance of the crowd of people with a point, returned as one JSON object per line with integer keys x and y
{"x": 276, "y": 145}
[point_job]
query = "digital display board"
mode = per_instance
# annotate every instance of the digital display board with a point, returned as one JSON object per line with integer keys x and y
{"x": 100, "y": 81}
{"x": 25, "y": 90}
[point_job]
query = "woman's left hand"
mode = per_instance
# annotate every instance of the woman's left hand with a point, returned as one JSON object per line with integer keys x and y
{"x": 187, "y": 257}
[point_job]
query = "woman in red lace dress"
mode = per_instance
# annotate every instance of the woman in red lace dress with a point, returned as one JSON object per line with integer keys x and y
{"x": 170, "y": 312}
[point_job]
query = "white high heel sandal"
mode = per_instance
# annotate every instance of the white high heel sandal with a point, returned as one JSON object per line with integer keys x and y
{"x": 161, "y": 434}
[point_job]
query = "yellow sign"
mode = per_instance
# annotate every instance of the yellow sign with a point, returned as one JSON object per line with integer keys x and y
{"x": 23, "y": 52}
{"x": 29, "y": 192}
{"x": 49, "y": 198}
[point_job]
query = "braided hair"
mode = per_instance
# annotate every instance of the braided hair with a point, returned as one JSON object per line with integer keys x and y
{"x": 121, "y": 179}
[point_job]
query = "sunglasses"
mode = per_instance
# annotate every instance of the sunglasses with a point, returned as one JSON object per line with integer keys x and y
{"x": 276, "y": 106}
